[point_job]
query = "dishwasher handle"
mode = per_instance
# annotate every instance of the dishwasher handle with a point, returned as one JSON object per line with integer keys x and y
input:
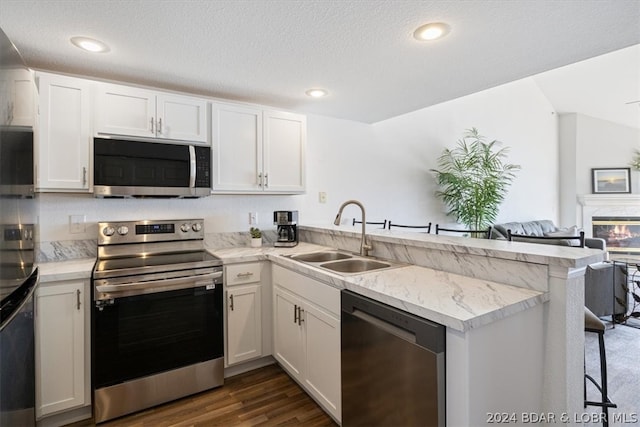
{"x": 392, "y": 329}
{"x": 412, "y": 328}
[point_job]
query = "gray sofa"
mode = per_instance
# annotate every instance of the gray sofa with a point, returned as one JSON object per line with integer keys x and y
{"x": 604, "y": 293}
{"x": 541, "y": 228}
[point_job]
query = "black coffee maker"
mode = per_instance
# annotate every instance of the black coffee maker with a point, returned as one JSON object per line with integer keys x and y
{"x": 287, "y": 229}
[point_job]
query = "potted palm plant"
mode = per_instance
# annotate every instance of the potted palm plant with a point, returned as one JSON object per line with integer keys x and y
{"x": 256, "y": 237}
{"x": 473, "y": 180}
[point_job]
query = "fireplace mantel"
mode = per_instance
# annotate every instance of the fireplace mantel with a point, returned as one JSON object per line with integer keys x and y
{"x": 610, "y": 200}
{"x": 607, "y": 205}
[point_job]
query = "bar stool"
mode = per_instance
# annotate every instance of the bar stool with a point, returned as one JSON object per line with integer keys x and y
{"x": 595, "y": 325}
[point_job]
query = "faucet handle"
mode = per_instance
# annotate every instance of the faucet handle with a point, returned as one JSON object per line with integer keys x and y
{"x": 366, "y": 247}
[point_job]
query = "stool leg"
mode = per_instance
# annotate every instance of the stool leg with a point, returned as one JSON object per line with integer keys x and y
{"x": 604, "y": 403}
{"x": 603, "y": 379}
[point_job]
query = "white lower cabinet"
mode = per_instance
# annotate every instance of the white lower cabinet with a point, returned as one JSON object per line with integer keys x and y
{"x": 244, "y": 330}
{"x": 248, "y": 314}
{"x": 62, "y": 347}
{"x": 306, "y": 322}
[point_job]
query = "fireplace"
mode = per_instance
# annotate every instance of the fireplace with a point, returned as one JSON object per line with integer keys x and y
{"x": 622, "y": 234}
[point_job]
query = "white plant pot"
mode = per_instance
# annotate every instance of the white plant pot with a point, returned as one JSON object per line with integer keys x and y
{"x": 256, "y": 242}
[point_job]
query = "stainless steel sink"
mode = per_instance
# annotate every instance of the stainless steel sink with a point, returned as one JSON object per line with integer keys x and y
{"x": 321, "y": 256}
{"x": 357, "y": 265}
{"x": 340, "y": 262}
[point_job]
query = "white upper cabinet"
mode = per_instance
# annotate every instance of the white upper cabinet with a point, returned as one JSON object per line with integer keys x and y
{"x": 128, "y": 111}
{"x": 63, "y": 135}
{"x": 237, "y": 148}
{"x": 257, "y": 151}
{"x": 285, "y": 136}
{"x": 18, "y": 94}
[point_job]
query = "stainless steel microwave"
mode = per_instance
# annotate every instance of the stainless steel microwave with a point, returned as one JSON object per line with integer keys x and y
{"x": 125, "y": 168}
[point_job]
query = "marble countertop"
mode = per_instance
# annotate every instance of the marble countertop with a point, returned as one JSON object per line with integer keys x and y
{"x": 518, "y": 251}
{"x": 66, "y": 270}
{"x": 456, "y": 301}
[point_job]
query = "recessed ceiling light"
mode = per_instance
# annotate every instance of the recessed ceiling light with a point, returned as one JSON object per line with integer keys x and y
{"x": 91, "y": 45}
{"x": 431, "y": 31}
{"x": 317, "y": 93}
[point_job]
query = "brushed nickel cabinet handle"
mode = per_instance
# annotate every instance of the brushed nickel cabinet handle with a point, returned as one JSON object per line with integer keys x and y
{"x": 160, "y": 125}
{"x": 260, "y": 179}
{"x": 152, "y": 126}
{"x": 78, "y": 303}
{"x": 247, "y": 274}
{"x": 266, "y": 180}
{"x": 300, "y": 313}
{"x": 84, "y": 176}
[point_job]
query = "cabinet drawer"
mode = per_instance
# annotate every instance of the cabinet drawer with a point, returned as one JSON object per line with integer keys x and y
{"x": 238, "y": 274}
{"x": 321, "y": 294}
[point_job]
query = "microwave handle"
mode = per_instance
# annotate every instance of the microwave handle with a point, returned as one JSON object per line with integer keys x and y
{"x": 192, "y": 166}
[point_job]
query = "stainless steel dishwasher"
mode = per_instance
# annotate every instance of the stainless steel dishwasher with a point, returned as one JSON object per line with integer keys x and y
{"x": 393, "y": 366}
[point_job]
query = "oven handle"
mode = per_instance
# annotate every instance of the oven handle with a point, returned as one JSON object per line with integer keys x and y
{"x": 139, "y": 288}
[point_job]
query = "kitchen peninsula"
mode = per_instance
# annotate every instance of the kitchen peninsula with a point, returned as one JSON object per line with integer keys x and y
{"x": 552, "y": 332}
{"x": 513, "y": 311}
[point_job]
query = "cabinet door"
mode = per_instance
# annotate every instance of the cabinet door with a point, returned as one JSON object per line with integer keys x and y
{"x": 122, "y": 110}
{"x": 287, "y": 333}
{"x": 237, "y": 148}
{"x": 64, "y": 135}
{"x": 284, "y": 152}
{"x": 322, "y": 350}
{"x": 60, "y": 347}
{"x": 23, "y": 100}
{"x": 244, "y": 323}
{"x": 181, "y": 117}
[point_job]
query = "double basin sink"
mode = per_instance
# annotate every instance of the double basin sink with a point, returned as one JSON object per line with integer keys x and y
{"x": 343, "y": 263}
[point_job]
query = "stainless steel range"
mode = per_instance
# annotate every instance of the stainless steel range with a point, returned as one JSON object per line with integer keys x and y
{"x": 157, "y": 324}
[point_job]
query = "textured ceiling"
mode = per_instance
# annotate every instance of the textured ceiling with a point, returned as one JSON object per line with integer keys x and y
{"x": 269, "y": 51}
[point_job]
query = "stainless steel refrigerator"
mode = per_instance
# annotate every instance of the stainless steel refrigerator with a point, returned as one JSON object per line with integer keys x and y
{"x": 18, "y": 269}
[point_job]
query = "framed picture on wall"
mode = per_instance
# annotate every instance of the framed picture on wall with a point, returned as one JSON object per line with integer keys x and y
{"x": 611, "y": 180}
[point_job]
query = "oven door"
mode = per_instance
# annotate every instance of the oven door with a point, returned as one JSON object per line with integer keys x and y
{"x": 144, "y": 334}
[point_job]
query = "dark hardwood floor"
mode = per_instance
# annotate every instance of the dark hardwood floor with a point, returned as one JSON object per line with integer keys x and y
{"x": 263, "y": 397}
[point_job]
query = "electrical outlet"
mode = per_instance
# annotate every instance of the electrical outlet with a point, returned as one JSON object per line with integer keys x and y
{"x": 77, "y": 224}
{"x": 253, "y": 218}
{"x": 322, "y": 197}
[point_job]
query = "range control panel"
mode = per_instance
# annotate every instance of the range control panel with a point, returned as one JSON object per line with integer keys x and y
{"x": 120, "y": 232}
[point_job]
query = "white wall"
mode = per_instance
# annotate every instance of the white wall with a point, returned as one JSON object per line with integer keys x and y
{"x": 385, "y": 166}
{"x": 587, "y": 143}
{"x": 517, "y": 114}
